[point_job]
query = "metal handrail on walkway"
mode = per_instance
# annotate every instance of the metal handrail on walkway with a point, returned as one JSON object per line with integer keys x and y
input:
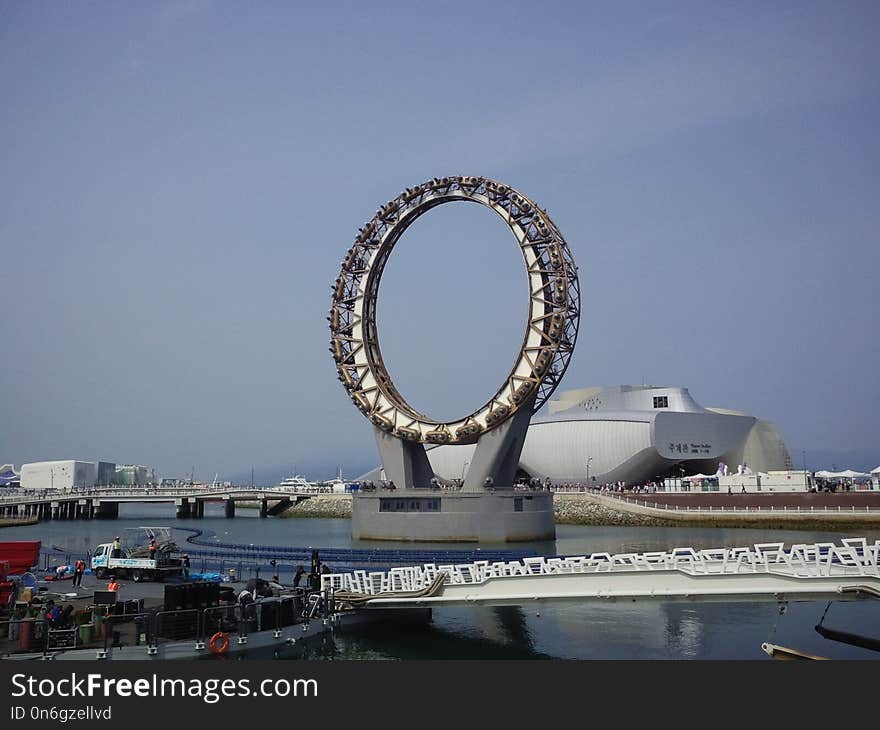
{"x": 854, "y": 557}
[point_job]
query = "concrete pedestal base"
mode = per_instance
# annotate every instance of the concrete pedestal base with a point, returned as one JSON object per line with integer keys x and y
{"x": 429, "y": 515}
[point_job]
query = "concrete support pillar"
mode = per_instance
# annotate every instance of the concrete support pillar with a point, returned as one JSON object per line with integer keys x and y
{"x": 56, "y": 511}
{"x": 264, "y": 507}
{"x": 230, "y": 508}
{"x": 405, "y": 463}
{"x": 496, "y": 457}
{"x": 182, "y": 507}
{"x": 200, "y": 508}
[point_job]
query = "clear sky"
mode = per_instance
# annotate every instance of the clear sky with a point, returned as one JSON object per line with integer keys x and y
{"x": 179, "y": 182}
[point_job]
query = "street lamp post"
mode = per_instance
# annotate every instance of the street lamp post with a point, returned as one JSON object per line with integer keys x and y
{"x": 589, "y": 461}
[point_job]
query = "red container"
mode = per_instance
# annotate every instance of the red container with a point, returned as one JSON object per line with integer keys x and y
{"x": 22, "y": 555}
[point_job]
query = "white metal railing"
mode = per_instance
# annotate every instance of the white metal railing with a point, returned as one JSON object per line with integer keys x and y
{"x": 853, "y": 557}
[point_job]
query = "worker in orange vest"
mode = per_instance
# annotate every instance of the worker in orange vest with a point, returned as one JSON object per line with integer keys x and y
{"x": 78, "y": 570}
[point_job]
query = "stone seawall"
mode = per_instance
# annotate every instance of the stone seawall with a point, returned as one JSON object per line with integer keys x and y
{"x": 581, "y": 509}
{"x": 322, "y": 505}
{"x": 591, "y": 509}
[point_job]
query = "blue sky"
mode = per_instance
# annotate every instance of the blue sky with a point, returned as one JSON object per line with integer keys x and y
{"x": 181, "y": 180}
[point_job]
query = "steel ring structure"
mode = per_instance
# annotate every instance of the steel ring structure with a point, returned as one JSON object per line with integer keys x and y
{"x": 551, "y": 330}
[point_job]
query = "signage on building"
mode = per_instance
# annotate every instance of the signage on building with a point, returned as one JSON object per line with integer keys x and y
{"x": 687, "y": 448}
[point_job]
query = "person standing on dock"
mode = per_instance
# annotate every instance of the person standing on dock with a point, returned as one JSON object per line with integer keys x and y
{"x": 184, "y": 561}
{"x": 79, "y": 567}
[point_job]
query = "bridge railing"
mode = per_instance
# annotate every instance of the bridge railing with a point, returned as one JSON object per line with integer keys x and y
{"x": 21, "y": 496}
{"x": 721, "y": 509}
{"x": 854, "y": 556}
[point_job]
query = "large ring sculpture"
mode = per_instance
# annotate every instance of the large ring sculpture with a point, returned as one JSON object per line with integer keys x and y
{"x": 551, "y": 331}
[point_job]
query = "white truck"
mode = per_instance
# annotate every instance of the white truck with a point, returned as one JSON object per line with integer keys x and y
{"x": 132, "y": 557}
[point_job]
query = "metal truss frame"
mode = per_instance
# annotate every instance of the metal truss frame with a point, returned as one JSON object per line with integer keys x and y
{"x": 551, "y": 330}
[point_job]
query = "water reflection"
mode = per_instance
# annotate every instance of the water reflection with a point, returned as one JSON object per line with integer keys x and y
{"x": 499, "y": 633}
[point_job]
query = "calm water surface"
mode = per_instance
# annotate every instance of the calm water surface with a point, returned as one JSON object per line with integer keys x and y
{"x": 622, "y": 630}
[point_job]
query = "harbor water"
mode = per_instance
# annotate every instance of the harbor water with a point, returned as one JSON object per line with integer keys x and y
{"x": 545, "y": 630}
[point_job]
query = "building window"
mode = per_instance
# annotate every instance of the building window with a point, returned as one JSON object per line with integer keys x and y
{"x": 412, "y": 505}
{"x": 517, "y": 504}
{"x": 661, "y": 401}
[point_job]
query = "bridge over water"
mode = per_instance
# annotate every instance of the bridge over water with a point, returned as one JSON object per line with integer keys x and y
{"x": 49, "y": 504}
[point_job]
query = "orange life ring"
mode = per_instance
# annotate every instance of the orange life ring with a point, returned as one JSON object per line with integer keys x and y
{"x": 219, "y": 643}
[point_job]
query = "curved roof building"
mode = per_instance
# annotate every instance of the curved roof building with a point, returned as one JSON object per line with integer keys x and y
{"x": 632, "y": 434}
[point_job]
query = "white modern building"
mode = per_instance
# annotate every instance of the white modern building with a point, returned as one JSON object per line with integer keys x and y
{"x": 135, "y": 475}
{"x": 70, "y": 473}
{"x": 64, "y": 474}
{"x": 632, "y": 434}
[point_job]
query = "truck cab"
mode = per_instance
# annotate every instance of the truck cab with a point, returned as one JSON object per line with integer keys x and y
{"x": 134, "y": 559}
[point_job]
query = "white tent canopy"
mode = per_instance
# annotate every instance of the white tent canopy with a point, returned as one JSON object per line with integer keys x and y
{"x": 697, "y": 477}
{"x": 876, "y": 471}
{"x": 847, "y": 474}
